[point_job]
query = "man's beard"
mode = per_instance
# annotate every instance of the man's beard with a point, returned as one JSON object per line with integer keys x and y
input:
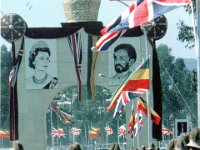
{"x": 119, "y": 68}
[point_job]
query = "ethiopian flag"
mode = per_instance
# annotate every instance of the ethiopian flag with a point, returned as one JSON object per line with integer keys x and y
{"x": 138, "y": 82}
{"x": 97, "y": 130}
{"x": 142, "y": 105}
{"x": 93, "y": 134}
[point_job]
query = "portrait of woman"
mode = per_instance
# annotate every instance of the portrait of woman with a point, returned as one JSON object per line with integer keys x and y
{"x": 39, "y": 61}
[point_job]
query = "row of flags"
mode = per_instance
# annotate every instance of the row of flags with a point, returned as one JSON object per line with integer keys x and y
{"x": 139, "y": 13}
{"x": 136, "y": 119}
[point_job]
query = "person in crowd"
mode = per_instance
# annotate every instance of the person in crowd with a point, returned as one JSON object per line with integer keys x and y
{"x": 114, "y": 147}
{"x": 18, "y": 146}
{"x": 182, "y": 141}
{"x": 171, "y": 145}
{"x": 39, "y": 59}
{"x": 143, "y": 147}
{"x": 124, "y": 57}
{"x": 194, "y": 143}
{"x": 74, "y": 146}
{"x": 151, "y": 147}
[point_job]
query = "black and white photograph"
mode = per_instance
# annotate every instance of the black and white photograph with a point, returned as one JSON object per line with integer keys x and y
{"x": 123, "y": 57}
{"x": 41, "y": 64}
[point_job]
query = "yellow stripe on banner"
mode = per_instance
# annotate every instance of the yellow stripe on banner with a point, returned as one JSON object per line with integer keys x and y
{"x": 141, "y": 74}
{"x": 94, "y": 58}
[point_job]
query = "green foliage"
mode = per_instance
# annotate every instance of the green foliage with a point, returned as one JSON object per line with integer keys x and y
{"x": 86, "y": 114}
{"x": 178, "y": 96}
{"x": 186, "y": 33}
{"x": 5, "y": 69}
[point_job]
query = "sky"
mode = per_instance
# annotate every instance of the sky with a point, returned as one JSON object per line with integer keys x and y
{"x": 50, "y": 13}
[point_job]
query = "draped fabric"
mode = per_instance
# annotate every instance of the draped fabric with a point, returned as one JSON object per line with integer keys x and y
{"x": 13, "y": 92}
{"x": 157, "y": 95}
{"x": 157, "y": 91}
{"x": 92, "y": 57}
{"x": 67, "y": 29}
{"x": 75, "y": 44}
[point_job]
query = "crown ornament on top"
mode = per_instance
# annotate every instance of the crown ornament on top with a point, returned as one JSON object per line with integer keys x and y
{"x": 81, "y": 10}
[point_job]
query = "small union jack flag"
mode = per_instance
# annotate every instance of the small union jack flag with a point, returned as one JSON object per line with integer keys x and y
{"x": 58, "y": 132}
{"x": 76, "y": 131}
{"x": 122, "y": 131}
{"x": 109, "y": 130}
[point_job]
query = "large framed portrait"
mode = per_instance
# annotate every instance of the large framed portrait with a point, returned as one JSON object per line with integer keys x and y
{"x": 41, "y": 63}
{"x": 124, "y": 56}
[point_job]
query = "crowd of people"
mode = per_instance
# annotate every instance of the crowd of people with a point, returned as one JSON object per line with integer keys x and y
{"x": 185, "y": 141}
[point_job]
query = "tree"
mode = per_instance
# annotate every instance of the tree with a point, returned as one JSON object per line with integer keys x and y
{"x": 178, "y": 96}
{"x": 186, "y": 33}
{"x": 5, "y": 69}
{"x": 86, "y": 114}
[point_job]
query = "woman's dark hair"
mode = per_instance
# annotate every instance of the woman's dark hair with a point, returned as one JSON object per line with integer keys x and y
{"x": 129, "y": 48}
{"x": 34, "y": 53}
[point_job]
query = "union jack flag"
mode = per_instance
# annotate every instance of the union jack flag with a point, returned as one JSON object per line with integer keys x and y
{"x": 141, "y": 12}
{"x": 138, "y": 122}
{"x": 124, "y": 99}
{"x": 122, "y": 131}
{"x": 166, "y": 131}
{"x": 76, "y": 131}
{"x": 58, "y": 132}
{"x": 109, "y": 130}
{"x": 124, "y": 15}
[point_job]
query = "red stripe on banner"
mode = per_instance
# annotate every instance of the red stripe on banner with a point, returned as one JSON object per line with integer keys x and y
{"x": 133, "y": 85}
{"x": 143, "y": 14}
{"x": 107, "y": 37}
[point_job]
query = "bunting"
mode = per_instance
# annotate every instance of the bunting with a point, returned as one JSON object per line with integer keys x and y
{"x": 75, "y": 44}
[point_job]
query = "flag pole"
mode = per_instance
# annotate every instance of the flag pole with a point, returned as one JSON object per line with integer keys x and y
{"x": 106, "y": 140}
{"x": 133, "y": 121}
{"x": 138, "y": 137}
{"x": 198, "y": 61}
{"x": 196, "y": 44}
{"x": 149, "y": 126}
{"x": 52, "y": 140}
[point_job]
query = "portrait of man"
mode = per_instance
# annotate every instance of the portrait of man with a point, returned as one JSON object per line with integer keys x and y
{"x": 40, "y": 73}
{"x": 124, "y": 56}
